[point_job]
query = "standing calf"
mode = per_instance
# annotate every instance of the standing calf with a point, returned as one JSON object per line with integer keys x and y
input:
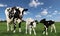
{"x": 47, "y": 24}
{"x": 30, "y": 25}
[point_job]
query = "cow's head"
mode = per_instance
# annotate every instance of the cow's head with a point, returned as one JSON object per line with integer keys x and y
{"x": 18, "y": 11}
{"x": 11, "y": 12}
{"x": 43, "y": 20}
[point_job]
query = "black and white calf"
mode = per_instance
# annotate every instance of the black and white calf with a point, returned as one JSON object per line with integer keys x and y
{"x": 47, "y": 24}
{"x": 14, "y": 14}
{"x": 30, "y": 25}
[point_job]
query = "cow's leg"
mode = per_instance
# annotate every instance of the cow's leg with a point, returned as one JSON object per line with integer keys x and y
{"x": 54, "y": 27}
{"x": 30, "y": 29}
{"x": 8, "y": 23}
{"x": 26, "y": 28}
{"x": 19, "y": 22}
{"x": 34, "y": 31}
{"x": 14, "y": 25}
{"x": 20, "y": 27}
{"x": 11, "y": 27}
{"x": 7, "y": 26}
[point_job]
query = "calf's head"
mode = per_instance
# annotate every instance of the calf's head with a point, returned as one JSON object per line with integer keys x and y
{"x": 43, "y": 20}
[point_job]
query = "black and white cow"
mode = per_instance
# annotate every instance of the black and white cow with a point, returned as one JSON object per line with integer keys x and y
{"x": 14, "y": 14}
{"x": 47, "y": 24}
{"x": 30, "y": 25}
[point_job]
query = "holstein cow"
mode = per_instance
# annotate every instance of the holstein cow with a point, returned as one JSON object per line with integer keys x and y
{"x": 47, "y": 24}
{"x": 14, "y": 14}
{"x": 30, "y": 25}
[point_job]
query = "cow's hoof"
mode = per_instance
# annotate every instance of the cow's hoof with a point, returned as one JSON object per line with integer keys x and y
{"x": 14, "y": 31}
{"x": 19, "y": 30}
{"x": 46, "y": 33}
{"x": 35, "y": 34}
{"x": 30, "y": 33}
{"x": 26, "y": 32}
{"x": 55, "y": 31}
{"x": 7, "y": 30}
{"x": 43, "y": 33}
{"x": 11, "y": 29}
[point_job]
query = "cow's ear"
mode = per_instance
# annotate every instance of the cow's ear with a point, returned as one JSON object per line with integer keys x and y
{"x": 14, "y": 7}
{"x": 25, "y": 10}
{"x": 8, "y": 9}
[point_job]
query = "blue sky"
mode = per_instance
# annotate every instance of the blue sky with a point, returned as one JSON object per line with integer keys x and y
{"x": 37, "y": 9}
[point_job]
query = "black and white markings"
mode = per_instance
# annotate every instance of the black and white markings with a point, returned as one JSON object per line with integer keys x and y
{"x": 14, "y": 14}
{"x": 47, "y": 24}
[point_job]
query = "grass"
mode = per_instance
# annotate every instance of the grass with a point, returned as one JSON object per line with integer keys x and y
{"x": 39, "y": 30}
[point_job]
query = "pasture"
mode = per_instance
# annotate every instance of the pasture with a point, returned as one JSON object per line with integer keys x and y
{"x": 39, "y": 29}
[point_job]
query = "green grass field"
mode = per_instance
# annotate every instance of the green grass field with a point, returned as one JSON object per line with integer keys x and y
{"x": 39, "y": 29}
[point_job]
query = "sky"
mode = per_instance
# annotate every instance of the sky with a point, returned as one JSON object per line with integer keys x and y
{"x": 37, "y": 9}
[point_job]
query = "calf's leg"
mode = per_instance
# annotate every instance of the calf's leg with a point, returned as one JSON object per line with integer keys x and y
{"x": 26, "y": 28}
{"x": 34, "y": 31}
{"x": 54, "y": 27}
{"x": 30, "y": 29}
{"x": 46, "y": 31}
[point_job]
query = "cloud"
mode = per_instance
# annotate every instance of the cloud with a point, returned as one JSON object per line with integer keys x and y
{"x": 38, "y": 16}
{"x": 59, "y": 13}
{"x": 25, "y": 13}
{"x": 49, "y": 15}
{"x": 55, "y": 12}
{"x": 41, "y": 8}
{"x": 50, "y": 7}
{"x": 3, "y": 5}
{"x": 44, "y": 12}
{"x": 35, "y": 3}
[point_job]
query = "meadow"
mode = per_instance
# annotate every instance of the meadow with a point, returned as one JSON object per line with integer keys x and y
{"x": 39, "y": 29}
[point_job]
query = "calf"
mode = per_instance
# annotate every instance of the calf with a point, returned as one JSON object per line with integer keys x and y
{"x": 30, "y": 24}
{"x": 47, "y": 24}
{"x": 14, "y": 14}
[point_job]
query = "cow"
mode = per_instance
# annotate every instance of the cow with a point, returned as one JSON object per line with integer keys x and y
{"x": 30, "y": 25}
{"x": 14, "y": 14}
{"x": 47, "y": 24}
